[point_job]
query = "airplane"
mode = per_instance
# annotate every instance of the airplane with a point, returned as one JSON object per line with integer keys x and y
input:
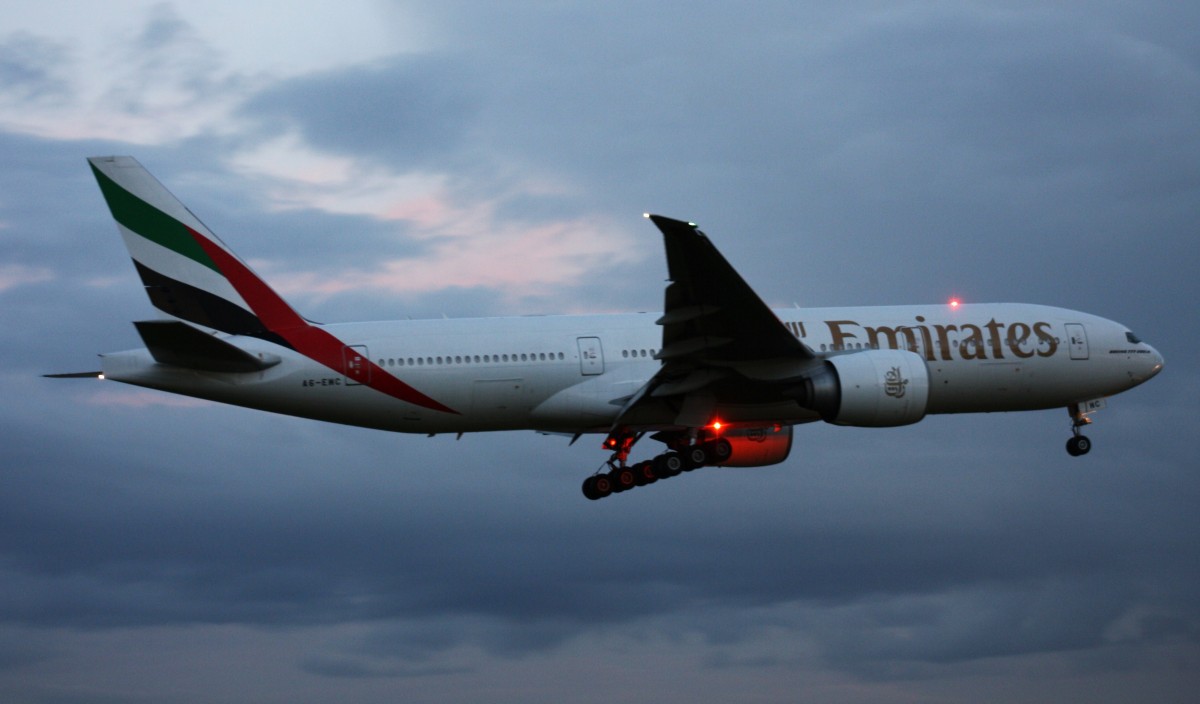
{"x": 718, "y": 377}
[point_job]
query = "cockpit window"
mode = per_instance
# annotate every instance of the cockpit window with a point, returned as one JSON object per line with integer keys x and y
{"x": 1132, "y": 338}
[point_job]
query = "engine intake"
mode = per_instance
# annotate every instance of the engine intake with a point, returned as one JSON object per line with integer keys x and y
{"x": 872, "y": 388}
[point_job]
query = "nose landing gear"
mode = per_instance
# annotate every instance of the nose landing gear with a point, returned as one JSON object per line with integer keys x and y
{"x": 1078, "y": 444}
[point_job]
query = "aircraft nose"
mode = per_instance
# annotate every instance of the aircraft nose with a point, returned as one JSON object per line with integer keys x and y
{"x": 1150, "y": 367}
{"x": 1158, "y": 362}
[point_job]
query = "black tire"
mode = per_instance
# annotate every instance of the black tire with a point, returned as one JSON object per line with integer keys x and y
{"x": 695, "y": 457}
{"x": 623, "y": 479}
{"x": 643, "y": 473}
{"x": 668, "y": 464}
{"x": 1078, "y": 445}
{"x": 597, "y": 487}
{"x": 719, "y": 450}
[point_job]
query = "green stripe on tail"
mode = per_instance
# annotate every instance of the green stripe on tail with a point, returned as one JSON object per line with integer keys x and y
{"x": 144, "y": 219}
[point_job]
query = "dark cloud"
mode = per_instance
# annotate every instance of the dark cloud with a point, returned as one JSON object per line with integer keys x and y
{"x": 990, "y": 132}
{"x": 407, "y": 112}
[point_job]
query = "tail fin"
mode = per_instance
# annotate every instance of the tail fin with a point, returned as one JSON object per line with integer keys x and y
{"x": 187, "y": 271}
{"x": 191, "y": 275}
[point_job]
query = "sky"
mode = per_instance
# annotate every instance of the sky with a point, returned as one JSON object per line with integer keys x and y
{"x": 384, "y": 160}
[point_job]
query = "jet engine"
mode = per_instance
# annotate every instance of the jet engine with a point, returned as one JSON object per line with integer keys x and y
{"x": 756, "y": 447}
{"x": 872, "y": 388}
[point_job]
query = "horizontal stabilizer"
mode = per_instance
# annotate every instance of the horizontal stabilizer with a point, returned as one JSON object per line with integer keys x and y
{"x": 181, "y": 345}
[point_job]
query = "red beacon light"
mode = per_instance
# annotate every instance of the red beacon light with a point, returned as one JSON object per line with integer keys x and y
{"x": 955, "y": 303}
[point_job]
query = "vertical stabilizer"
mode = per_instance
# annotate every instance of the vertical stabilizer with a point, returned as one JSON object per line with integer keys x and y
{"x": 179, "y": 260}
{"x": 190, "y": 274}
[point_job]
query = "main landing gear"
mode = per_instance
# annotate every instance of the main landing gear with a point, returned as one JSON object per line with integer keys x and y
{"x": 1078, "y": 444}
{"x": 684, "y": 454}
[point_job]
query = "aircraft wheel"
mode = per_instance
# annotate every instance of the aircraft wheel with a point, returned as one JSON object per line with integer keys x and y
{"x": 696, "y": 456}
{"x": 1078, "y": 445}
{"x": 668, "y": 464}
{"x": 719, "y": 450}
{"x": 643, "y": 473}
{"x": 597, "y": 486}
{"x": 623, "y": 478}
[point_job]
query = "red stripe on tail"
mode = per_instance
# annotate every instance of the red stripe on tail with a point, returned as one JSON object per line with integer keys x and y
{"x": 306, "y": 338}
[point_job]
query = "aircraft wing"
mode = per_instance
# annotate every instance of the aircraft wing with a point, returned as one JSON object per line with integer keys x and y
{"x": 721, "y": 343}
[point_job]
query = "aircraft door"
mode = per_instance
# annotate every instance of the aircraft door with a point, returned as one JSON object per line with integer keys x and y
{"x": 1077, "y": 341}
{"x": 591, "y": 356}
{"x": 354, "y": 365}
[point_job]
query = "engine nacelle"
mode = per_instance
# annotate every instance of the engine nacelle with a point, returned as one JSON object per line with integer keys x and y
{"x": 872, "y": 388}
{"x": 757, "y": 447}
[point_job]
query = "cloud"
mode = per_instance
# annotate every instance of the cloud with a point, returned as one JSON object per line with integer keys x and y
{"x": 386, "y": 142}
{"x": 464, "y": 239}
{"x": 13, "y": 275}
{"x": 30, "y": 70}
{"x": 414, "y": 110}
{"x": 142, "y": 399}
{"x": 165, "y": 84}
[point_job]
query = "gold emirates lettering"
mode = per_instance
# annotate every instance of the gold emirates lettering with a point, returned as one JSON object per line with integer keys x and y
{"x": 989, "y": 341}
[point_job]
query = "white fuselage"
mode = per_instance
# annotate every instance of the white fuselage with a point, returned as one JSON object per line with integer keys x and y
{"x": 569, "y": 373}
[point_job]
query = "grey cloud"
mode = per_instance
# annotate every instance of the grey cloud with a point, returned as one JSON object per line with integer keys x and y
{"x": 901, "y": 131}
{"x": 31, "y": 68}
{"x": 168, "y": 60}
{"x": 223, "y": 541}
{"x": 341, "y": 666}
{"x": 409, "y": 112}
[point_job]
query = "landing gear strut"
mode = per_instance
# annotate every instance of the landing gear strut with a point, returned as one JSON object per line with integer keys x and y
{"x": 1078, "y": 444}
